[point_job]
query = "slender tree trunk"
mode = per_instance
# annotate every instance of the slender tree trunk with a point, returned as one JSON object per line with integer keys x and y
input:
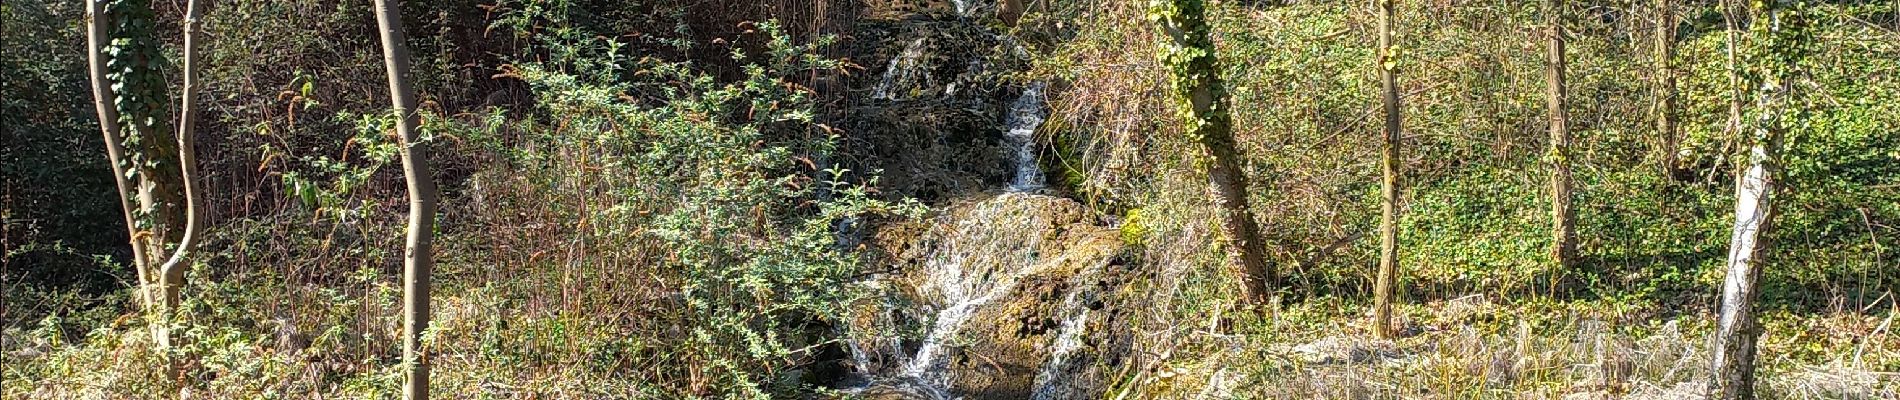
{"x": 153, "y": 155}
{"x": 1666, "y": 91}
{"x": 1563, "y": 223}
{"x": 172, "y": 272}
{"x": 1736, "y": 327}
{"x": 104, "y": 102}
{"x": 167, "y": 204}
{"x": 1732, "y": 38}
{"x": 148, "y": 146}
{"x": 1387, "y": 281}
{"x": 1201, "y": 101}
{"x": 418, "y": 259}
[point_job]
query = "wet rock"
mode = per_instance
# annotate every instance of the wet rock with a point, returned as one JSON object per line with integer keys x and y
{"x": 1018, "y": 292}
{"x": 901, "y": 390}
{"x": 1004, "y": 358}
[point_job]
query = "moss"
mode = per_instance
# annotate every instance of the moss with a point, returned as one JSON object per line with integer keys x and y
{"x": 1067, "y": 166}
{"x": 1133, "y": 230}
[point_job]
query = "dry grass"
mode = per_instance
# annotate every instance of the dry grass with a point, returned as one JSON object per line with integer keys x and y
{"x": 1509, "y": 352}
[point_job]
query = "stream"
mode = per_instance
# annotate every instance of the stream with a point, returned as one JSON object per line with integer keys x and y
{"x": 1004, "y": 287}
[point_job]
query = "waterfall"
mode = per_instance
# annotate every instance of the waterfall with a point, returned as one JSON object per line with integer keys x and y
{"x": 903, "y": 69}
{"x": 989, "y": 264}
{"x": 977, "y": 263}
{"x": 861, "y": 361}
{"x": 957, "y": 275}
{"x": 1024, "y": 116}
{"x": 1052, "y": 380}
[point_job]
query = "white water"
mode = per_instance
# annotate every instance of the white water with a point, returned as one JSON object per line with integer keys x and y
{"x": 861, "y": 360}
{"x": 1051, "y": 381}
{"x": 979, "y": 260}
{"x": 982, "y": 257}
{"x": 1024, "y": 116}
{"x": 955, "y": 275}
{"x": 903, "y": 69}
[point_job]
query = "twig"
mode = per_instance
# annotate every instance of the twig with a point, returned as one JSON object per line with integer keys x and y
{"x": 1327, "y": 251}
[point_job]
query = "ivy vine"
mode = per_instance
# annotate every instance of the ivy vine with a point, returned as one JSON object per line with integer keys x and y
{"x": 1189, "y": 56}
{"x": 135, "y": 63}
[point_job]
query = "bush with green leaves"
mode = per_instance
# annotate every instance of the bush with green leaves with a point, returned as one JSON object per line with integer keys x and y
{"x": 640, "y": 229}
{"x": 705, "y": 193}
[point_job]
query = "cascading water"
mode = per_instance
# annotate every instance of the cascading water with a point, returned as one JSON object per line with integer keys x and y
{"x": 1024, "y": 116}
{"x": 903, "y": 69}
{"x": 1051, "y": 380}
{"x": 980, "y": 266}
{"x": 985, "y": 273}
{"x": 955, "y": 277}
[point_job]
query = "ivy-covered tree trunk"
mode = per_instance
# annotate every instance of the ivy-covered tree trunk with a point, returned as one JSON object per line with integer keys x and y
{"x": 1387, "y": 280}
{"x": 1736, "y": 328}
{"x": 1731, "y": 40}
{"x": 152, "y": 161}
{"x": 418, "y": 258}
{"x": 143, "y": 107}
{"x": 105, "y": 104}
{"x": 1563, "y": 227}
{"x": 1201, "y": 103}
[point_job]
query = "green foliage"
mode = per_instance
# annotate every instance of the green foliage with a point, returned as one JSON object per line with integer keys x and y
{"x": 1193, "y": 70}
{"x": 707, "y": 229}
{"x": 135, "y": 65}
{"x": 1303, "y": 97}
{"x": 715, "y": 174}
{"x": 633, "y": 209}
{"x": 1132, "y": 231}
{"x": 61, "y": 222}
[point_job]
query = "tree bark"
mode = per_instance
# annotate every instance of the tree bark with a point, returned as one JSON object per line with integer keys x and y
{"x": 1201, "y": 103}
{"x": 418, "y": 258}
{"x": 140, "y": 106}
{"x": 1731, "y": 37}
{"x": 1387, "y": 281}
{"x": 172, "y": 272}
{"x": 154, "y": 223}
{"x": 1666, "y": 122}
{"x": 1736, "y": 327}
{"x": 152, "y": 145}
{"x": 1563, "y": 222}
{"x": 103, "y": 101}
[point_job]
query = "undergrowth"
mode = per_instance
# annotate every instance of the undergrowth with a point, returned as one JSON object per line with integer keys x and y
{"x": 645, "y": 230}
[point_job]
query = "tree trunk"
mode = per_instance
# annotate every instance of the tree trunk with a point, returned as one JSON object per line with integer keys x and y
{"x": 147, "y": 142}
{"x": 1666, "y": 92}
{"x": 1201, "y": 101}
{"x": 418, "y": 259}
{"x": 1736, "y": 328}
{"x": 144, "y": 105}
{"x": 104, "y": 102}
{"x": 1387, "y": 280}
{"x": 166, "y": 215}
{"x": 172, "y": 272}
{"x": 1736, "y": 88}
{"x": 1563, "y": 223}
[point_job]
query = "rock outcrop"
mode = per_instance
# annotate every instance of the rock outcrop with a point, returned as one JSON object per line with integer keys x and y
{"x": 1013, "y": 298}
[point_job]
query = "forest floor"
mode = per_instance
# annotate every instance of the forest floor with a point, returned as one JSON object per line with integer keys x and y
{"x": 1474, "y": 347}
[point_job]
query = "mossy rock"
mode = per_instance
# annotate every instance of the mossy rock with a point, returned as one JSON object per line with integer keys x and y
{"x": 1072, "y": 263}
